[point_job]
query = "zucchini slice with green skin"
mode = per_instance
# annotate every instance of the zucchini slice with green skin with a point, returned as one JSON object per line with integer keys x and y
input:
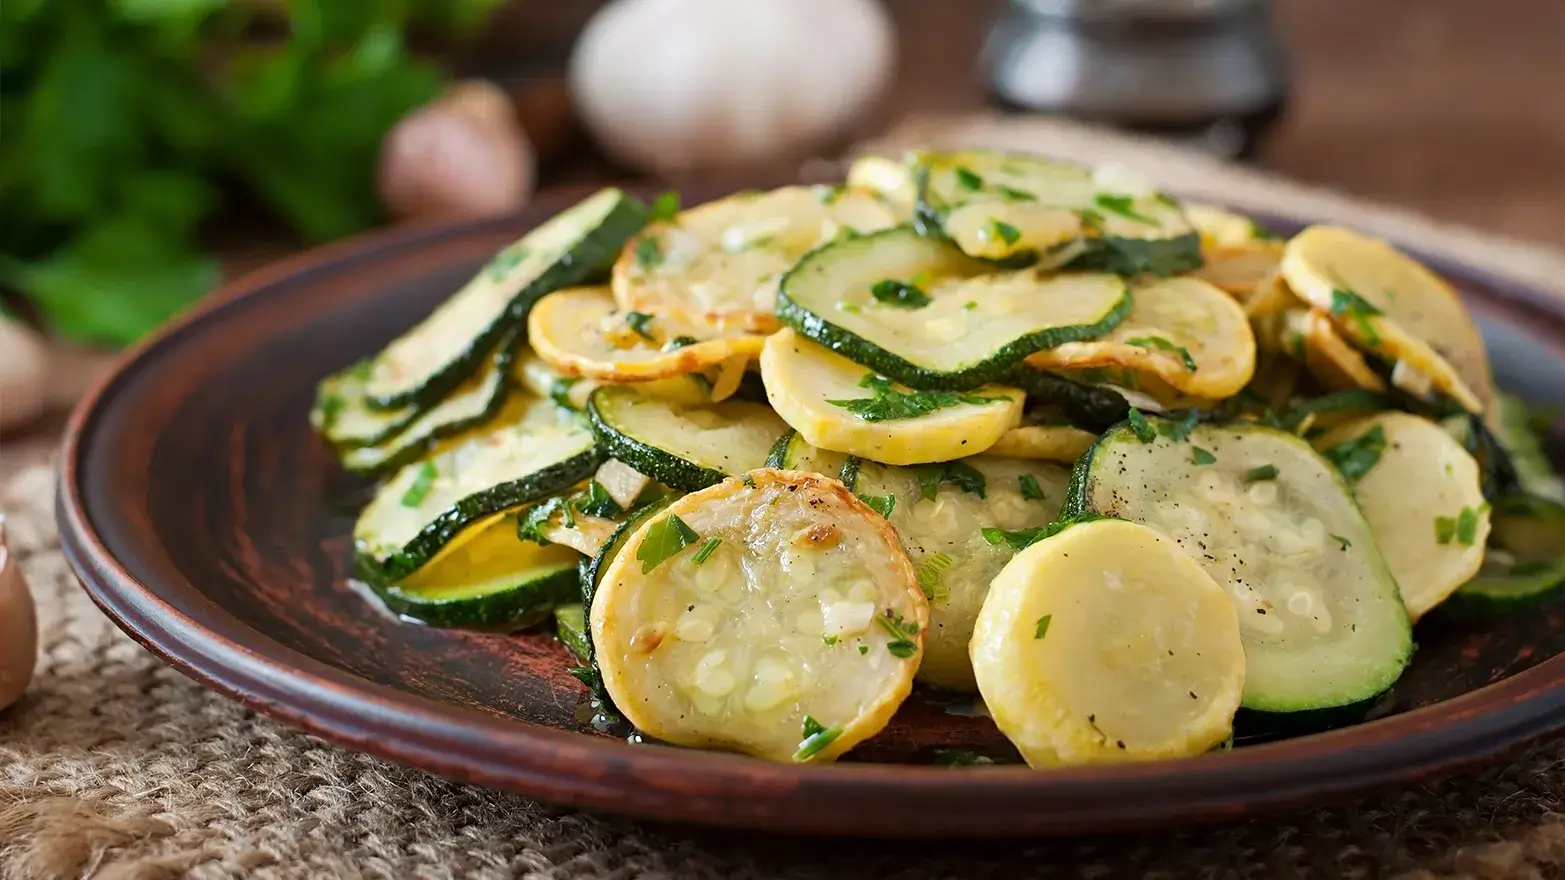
{"x": 491, "y": 581}
{"x": 838, "y": 405}
{"x": 1394, "y": 308}
{"x": 1509, "y": 420}
{"x": 960, "y": 523}
{"x": 1276, "y": 525}
{"x": 721, "y": 260}
{"x": 1011, "y": 207}
{"x": 685, "y": 447}
{"x": 591, "y": 576}
{"x": 1182, "y": 331}
{"x": 773, "y": 615}
{"x": 1423, "y": 496}
{"x": 1093, "y": 407}
{"x": 1107, "y": 643}
{"x": 474, "y": 403}
{"x": 916, "y": 309}
{"x": 341, "y": 416}
{"x": 1525, "y": 564}
{"x": 533, "y": 449}
{"x": 421, "y": 365}
{"x": 570, "y": 627}
{"x": 794, "y": 453}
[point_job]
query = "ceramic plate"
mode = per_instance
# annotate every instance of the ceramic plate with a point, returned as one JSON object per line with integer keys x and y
{"x": 208, "y": 521}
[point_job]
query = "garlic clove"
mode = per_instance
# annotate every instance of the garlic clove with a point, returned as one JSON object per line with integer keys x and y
{"x": 18, "y": 628}
{"x": 23, "y": 388}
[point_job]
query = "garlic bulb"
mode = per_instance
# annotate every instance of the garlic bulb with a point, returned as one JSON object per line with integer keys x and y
{"x": 671, "y": 85}
{"x": 18, "y": 628}
{"x": 22, "y": 388}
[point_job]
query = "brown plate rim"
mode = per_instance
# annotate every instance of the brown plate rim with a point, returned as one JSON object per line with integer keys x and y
{"x": 666, "y": 783}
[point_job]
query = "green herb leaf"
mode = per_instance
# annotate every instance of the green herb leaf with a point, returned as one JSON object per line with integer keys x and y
{"x": 899, "y": 630}
{"x": 816, "y": 737}
{"x": 1012, "y": 194}
{"x": 863, "y": 649}
{"x": 1445, "y": 529}
{"x": 899, "y": 294}
{"x": 665, "y": 538}
{"x": 1463, "y": 528}
{"x": 530, "y": 525}
{"x": 970, "y": 306}
{"x": 1158, "y": 343}
{"x": 679, "y": 342}
{"x": 1043, "y": 626}
{"x": 641, "y": 322}
{"x": 1179, "y": 429}
{"x": 1342, "y": 542}
{"x": 1124, "y": 206}
{"x": 560, "y": 390}
{"x": 996, "y": 230}
{"x": 596, "y": 501}
{"x": 649, "y": 253}
{"x": 707, "y": 549}
{"x": 1030, "y": 488}
{"x": 968, "y": 179}
{"x": 1354, "y": 458}
{"x": 1356, "y": 310}
{"x": 1261, "y": 231}
{"x": 1140, "y": 426}
{"x": 504, "y": 262}
{"x": 825, "y": 193}
{"x": 959, "y": 474}
{"x": 665, "y": 206}
{"x": 881, "y": 504}
{"x": 1201, "y": 457}
{"x": 931, "y": 575}
{"x": 888, "y": 404}
{"x": 1260, "y": 474}
{"x": 422, "y": 483}
{"x": 829, "y": 640}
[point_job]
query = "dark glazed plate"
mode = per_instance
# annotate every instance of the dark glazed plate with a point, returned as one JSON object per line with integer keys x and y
{"x": 210, "y": 524}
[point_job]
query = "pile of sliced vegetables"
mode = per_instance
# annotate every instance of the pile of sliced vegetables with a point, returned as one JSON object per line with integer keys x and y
{"x": 990, "y": 422}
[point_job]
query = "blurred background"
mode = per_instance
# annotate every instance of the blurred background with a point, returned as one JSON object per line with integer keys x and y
{"x": 151, "y": 148}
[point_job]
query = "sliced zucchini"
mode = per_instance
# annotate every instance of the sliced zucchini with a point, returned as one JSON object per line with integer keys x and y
{"x": 582, "y": 332}
{"x": 1094, "y": 407}
{"x": 1310, "y": 336}
{"x": 916, "y": 309}
{"x": 1240, "y": 270}
{"x": 474, "y": 403}
{"x": 1107, "y": 643}
{"x": 1013, "y": 207}
{"x": 686, "y": 447}
{"x": 421, "y": 365}
{"x": 532, "y": 449}
{"x": 1062, "y": 443}
{"x": 774, "y": 616}
{"x": 1422, "y": 495}
{"x": 1393, "y": 307}
{"x": 1276, "y": 525}
{"x": 1525, "y": 564}
{"x": 1510, "y": 422}
{"x": 722, "y": 260}
{"x": 570, "y": 627}
{"x": 960, "y": 523}
{"x": 892, "y": 181}
{"x": 491, "y": 581}
{"x": 1183, "y": 331}
{"x": 591, "y": 576}
{"x": 341, "y": 416}
{"x": 835, "y": 404}
{"x": 793, "y": 453}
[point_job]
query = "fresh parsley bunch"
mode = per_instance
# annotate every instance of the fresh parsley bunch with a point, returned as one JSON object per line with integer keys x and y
{"x": 124, "y": 124}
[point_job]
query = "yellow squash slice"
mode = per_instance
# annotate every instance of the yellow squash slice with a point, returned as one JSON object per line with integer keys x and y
{"x": 1061, "y": 443}
{"x": 1240, "y": 269}
{"x": 1220, "y": 227}
{"x": 1311, "y": 336}
{"x": 721, "y": 261}
{"x": 1393, "y": 307}
{"x": 803, "y": 378}
{"x": 1423, "y": 496}
{"x": 890, "y": 179}
{"x": 774, "y": 615}
{"x": 1182, "y": 331}
{"x": 1106, "y": 643}
{"x": 583, "y": 332}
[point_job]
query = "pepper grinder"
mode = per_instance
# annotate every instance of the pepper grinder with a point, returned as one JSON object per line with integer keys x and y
{"x": 1211, "y": 72}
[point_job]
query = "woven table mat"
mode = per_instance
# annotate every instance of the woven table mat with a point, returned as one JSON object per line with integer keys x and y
{"x": 115, "y": 766}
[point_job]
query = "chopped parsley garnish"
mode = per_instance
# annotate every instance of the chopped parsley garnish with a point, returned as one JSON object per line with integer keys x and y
{"x": 1030, "y": 488}
{"x": 899, "y": 630}
{"x": 1199, "y": 456}
{"x": 817, "y": 736}
{"x": 1140, "y": 426}
{"x": 505, "y": 261}
{"x": 1043, "y": 626}
{"x": 641, "y": 322}
{"x": 1178, "y": 430}
{"x": 1462, "y": 528}
{"x": 970, "y": 306}
{"x": 959, "y": 474}
{"x": 707, "y": 549}
{"x": 530, "y": 525}
{"x": 1012, "y": 194}
{"x": 1260, "y": 474}
{"x": 331, "y": 406}
{"x": 1342, "y": 542}
{"x": 748, "y": 481}
{"x": 899, "y": 294}
{"x": 422, "y": 483}
{"x": 1021, "y": 539}
{"x": 596, "y": 501}
{"x": 1124, "y": 206}
{"x": 1355, "y": 457}
{"x": 665, "y": 537}
{"x": 665, "y": 206}
{"x": 649, "y": 253}
{"x": 829, "y": 640}
{"x": 997, "y": 230}
{"x": 968, "y": 179}
{"x": 863, "y": 649}
{"x": 881, "y": 504}
{"x": 679, "y": 342}
{"x": 1445, "y": 529}
{"x": 560, "y": 390}
{"x": 825, "y": 193}
{"x": 1158, "y": 343}
{"x": 931, "y": 575}
{"x": 960, "y": 758}
{"x": 1260, "y": 230}
{"x": 888, "y": 404}
{"x": 845, "y": 306}
{"x": 1357, "y": 311}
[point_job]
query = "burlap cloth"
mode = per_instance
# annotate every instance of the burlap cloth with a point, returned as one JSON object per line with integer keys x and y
{"x": 115, "y": 766}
